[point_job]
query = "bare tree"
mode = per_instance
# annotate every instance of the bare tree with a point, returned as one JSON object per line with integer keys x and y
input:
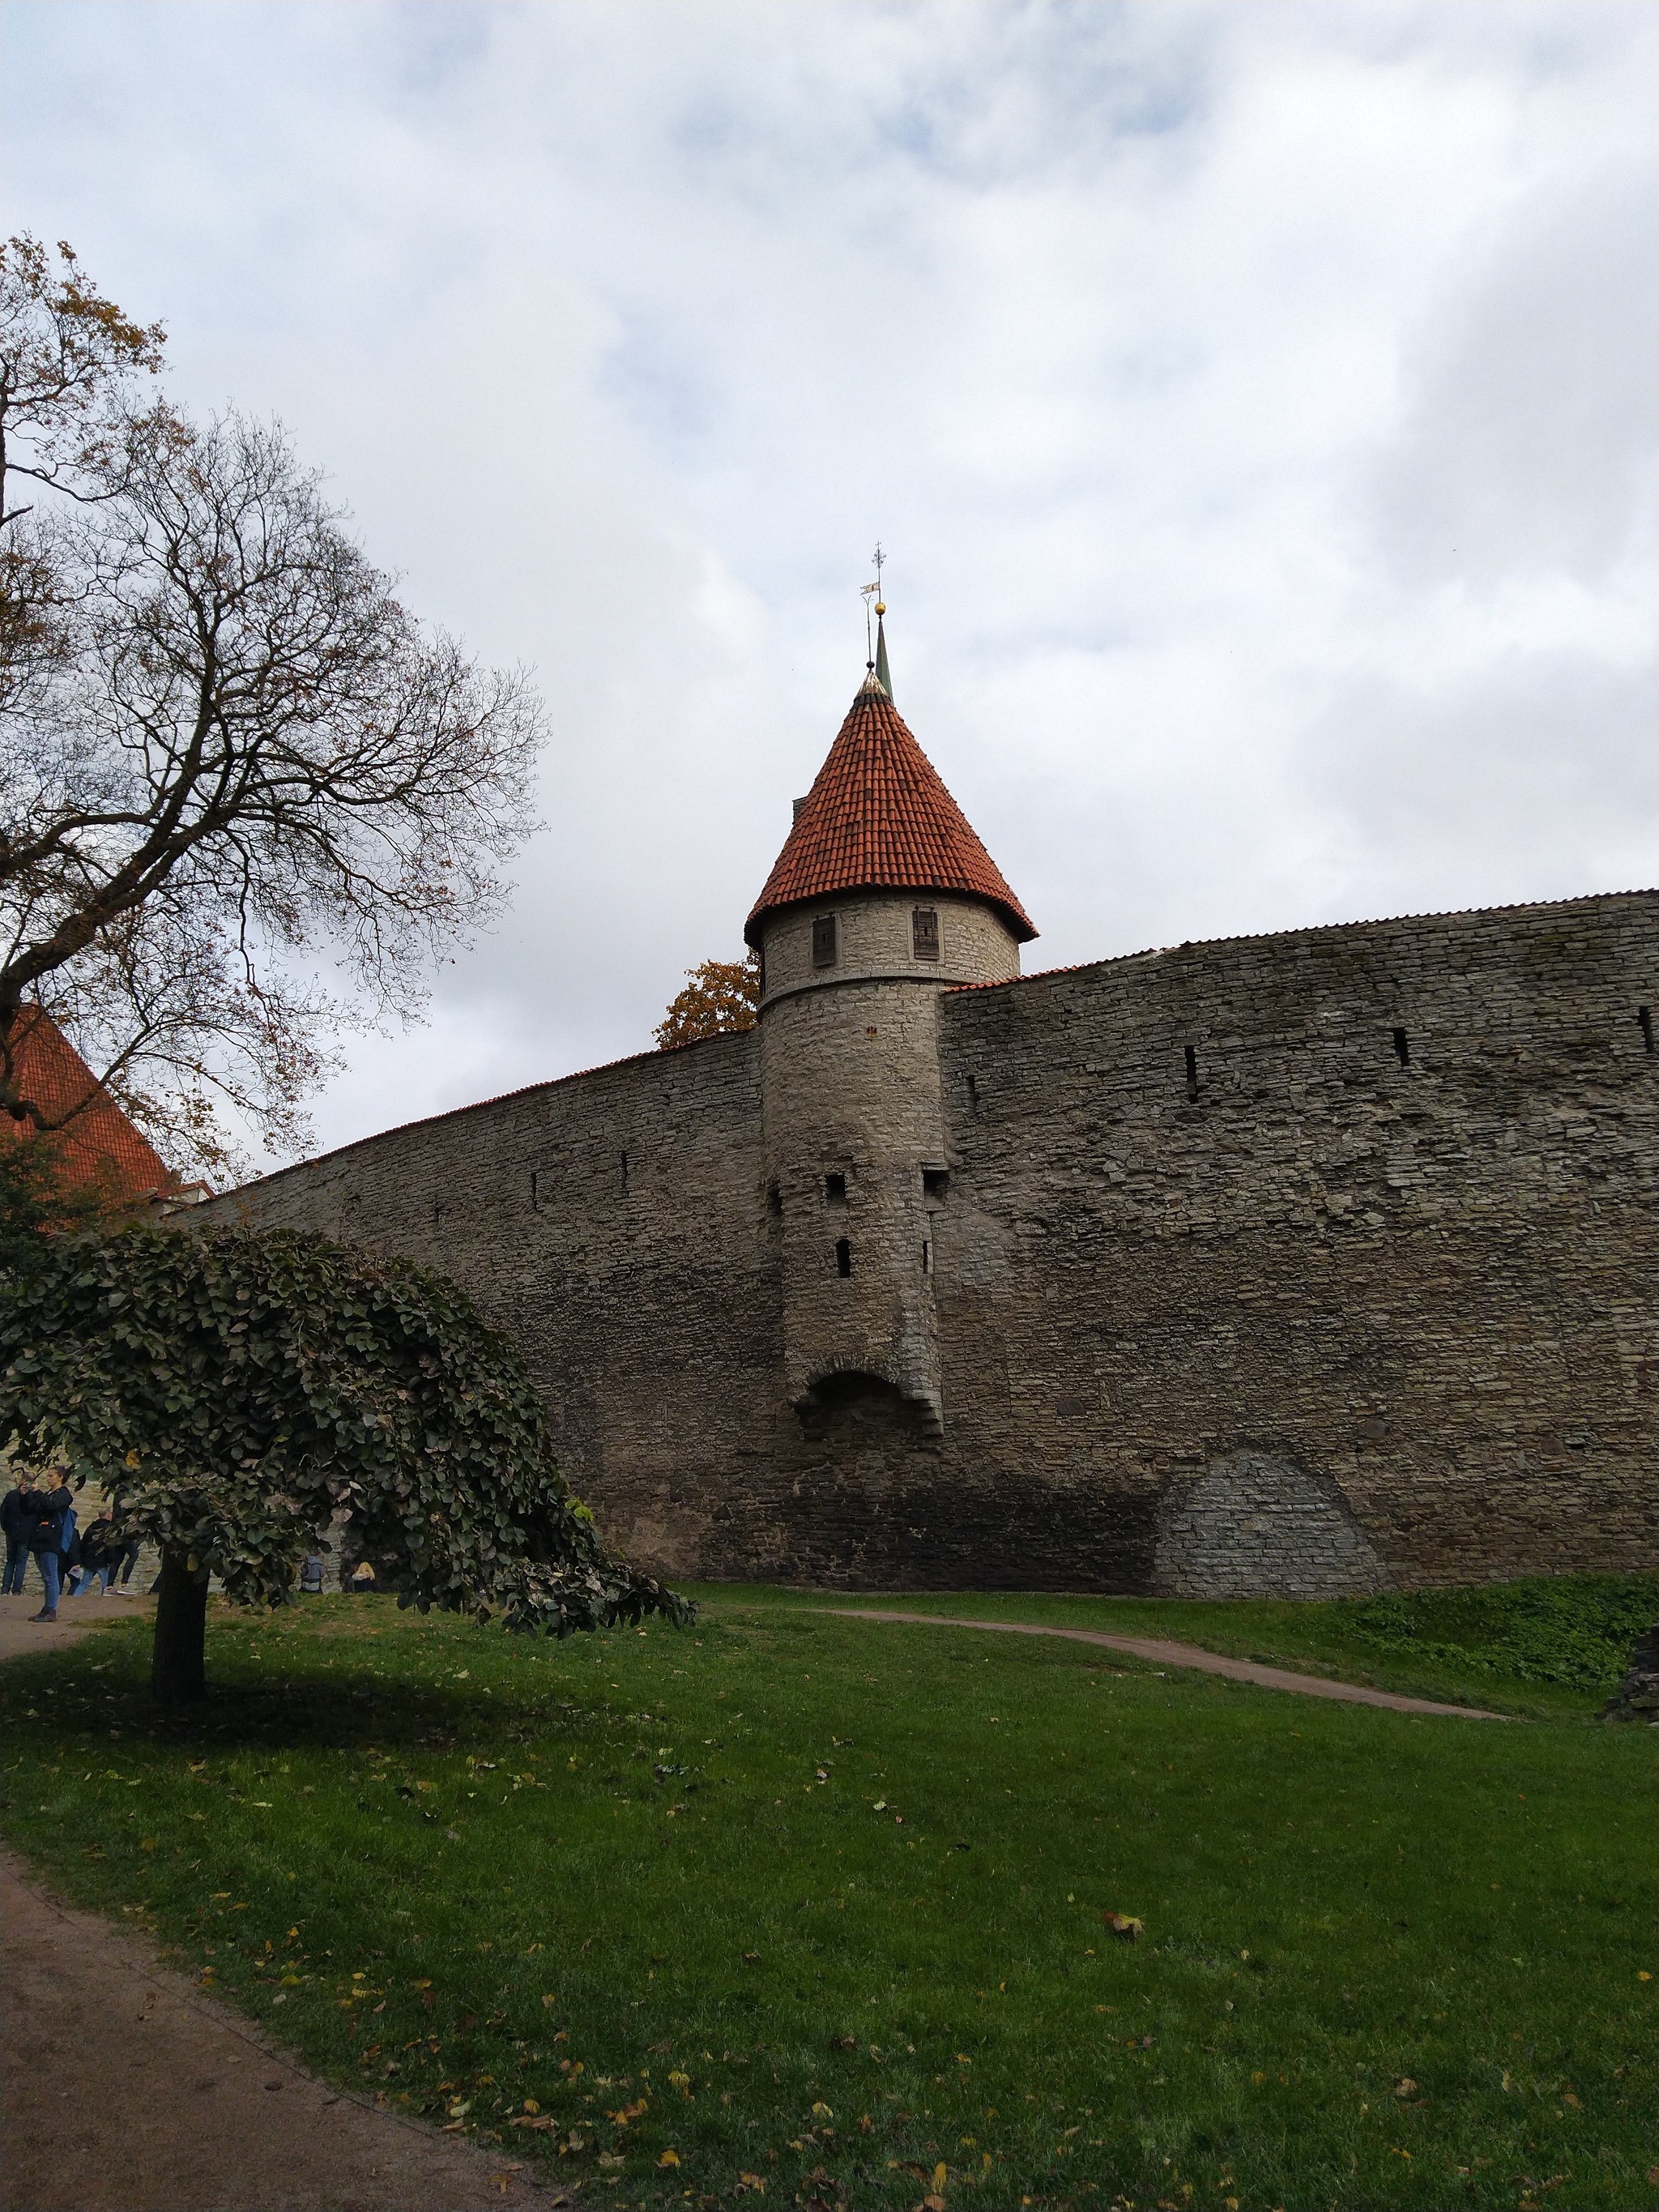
{"x": 236, "y": 765}
{"x": 67, "y": 357}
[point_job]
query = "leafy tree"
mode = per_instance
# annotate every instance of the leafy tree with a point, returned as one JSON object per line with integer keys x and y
{"x": 40, "y": 1199}
{"x": 239, "y": 1391}
{"x": 721, "y": 997}
{"x": 229, "y": 757}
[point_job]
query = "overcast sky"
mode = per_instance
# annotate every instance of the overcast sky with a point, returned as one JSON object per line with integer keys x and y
{"x": 1256, "y": 403}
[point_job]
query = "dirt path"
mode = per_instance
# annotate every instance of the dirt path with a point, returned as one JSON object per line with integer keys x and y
{"x": 20, "y": 1632}
{"x": 127, "y": 2090}
{"x": 1187, "y": 1654}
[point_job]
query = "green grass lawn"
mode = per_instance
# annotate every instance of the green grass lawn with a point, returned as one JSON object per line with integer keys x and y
{"x": 1539, "y": 1648}
{"x": 786, "y": 1909}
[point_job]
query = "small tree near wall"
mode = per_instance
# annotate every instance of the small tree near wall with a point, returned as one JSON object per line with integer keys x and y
{"x": 721, "y": 997}
{"x": 235, "y": 1391}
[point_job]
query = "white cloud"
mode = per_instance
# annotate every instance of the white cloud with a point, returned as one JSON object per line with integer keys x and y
{"x": 1256, "y": 403}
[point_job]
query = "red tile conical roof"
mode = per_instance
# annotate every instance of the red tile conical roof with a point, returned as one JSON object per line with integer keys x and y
{"x": 878, "y": 817}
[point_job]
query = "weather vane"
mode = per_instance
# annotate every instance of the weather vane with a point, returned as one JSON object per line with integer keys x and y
{"x": 873, "y": 592}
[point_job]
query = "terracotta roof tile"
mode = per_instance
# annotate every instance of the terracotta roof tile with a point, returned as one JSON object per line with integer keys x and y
{"x": 99, "y": 1144}
{"x": 878, "y": 817}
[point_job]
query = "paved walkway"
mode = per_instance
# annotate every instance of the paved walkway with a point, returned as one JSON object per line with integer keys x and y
{"x": 126, "y": 2089}
{"x": 1163, "y": 1654}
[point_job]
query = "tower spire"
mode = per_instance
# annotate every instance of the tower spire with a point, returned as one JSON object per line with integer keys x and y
{"x": 878, "y": 664}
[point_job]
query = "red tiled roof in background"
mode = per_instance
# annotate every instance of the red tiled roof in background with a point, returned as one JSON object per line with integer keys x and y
{"x": 99, "y": 1144}
{"x": 878, "y": 817}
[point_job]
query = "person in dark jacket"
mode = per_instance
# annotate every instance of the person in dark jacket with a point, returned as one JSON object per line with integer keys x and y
{"x": 49, "y": 1532}
{"x": 17, "y": 1518}
{"x": 124, "y": 1545}
{"x": 100, "y": 1553}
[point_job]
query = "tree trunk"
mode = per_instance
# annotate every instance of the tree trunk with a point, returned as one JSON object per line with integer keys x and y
{"x": 177, "y": 1666}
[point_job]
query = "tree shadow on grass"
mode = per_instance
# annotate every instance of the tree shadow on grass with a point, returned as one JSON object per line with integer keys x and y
{"x": 288, "y": 1706}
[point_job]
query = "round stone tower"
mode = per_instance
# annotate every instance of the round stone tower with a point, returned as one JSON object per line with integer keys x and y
{"x": 881, "y": 899}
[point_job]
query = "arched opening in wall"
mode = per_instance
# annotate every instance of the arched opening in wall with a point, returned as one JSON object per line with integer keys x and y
{"x": 1255, "y": 1525}
{"x": 860, "y": 1412}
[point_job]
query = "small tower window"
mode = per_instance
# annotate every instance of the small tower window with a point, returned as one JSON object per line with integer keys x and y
{"x": 823, "y": 940}
{"x": 843, "y": 1257}
{"x": 924, "y": 932}
{"x": 935, "y": 1181}
{"x": 835, "y": 1189}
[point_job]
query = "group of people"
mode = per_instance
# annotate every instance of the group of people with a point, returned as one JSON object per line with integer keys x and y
{"x": 40, "y": 1523}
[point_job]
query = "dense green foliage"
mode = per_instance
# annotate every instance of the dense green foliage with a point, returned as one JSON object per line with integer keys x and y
{"x": 236, "y": 1392}
{"x": 821, "y": 1902}
{"x": 40, "y": 1202}
{"x": 1574, "y": 1629}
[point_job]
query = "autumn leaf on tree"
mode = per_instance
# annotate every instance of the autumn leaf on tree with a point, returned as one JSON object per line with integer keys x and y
{"x": 721, "y": 997}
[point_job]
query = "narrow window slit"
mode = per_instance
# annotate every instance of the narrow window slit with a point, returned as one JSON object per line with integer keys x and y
{"x": 622, "y": 1157}
{"x": 843, "y": 1257}
{"x": 1402, "y": 1048}
{"x": 1191, "y": 1071}
{"x": 926, "y": 1257}
{"x": 535, "y": 1194}
{"x": 1644, "y": 1023}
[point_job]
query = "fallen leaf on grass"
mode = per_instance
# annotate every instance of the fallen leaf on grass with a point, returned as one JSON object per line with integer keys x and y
{"x": 611, "y": 2160}
{"x": 669, "y": 2158}
{"x": 1125, "y": 1926}
{"x": 533, "y": 2120}
{"x": 1405, "y": 2086}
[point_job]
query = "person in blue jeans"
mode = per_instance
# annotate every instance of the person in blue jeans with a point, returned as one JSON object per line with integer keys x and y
{"x": 47, "y": 1535}
{"x": 101, "y": 1554}
{"x": 17, "y": 1518}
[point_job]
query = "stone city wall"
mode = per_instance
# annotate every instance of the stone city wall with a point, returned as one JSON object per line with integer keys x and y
{"x": 1304, "y": 1263}
{"x": 616, "y": 1224}
{"x": 1390, "y": 1228}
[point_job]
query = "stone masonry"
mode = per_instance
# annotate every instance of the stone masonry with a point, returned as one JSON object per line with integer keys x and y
{"x": 1295, "y": 1264}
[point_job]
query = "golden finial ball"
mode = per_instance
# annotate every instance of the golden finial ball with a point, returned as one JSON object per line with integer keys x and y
{"x": 881, "y": 607}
